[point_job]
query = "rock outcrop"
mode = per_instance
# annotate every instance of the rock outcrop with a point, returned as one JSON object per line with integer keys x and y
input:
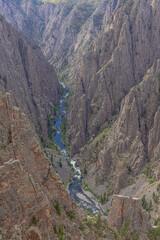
{"x": 25, "y": 72}
{"x": 63, "y": 31}
{"x": 129, "y": 144}
{"x": 117, "y": 61}
{"x": 128, "y": 210}
{"x": 34, "y": 205}
{"x": 29, "y": 186}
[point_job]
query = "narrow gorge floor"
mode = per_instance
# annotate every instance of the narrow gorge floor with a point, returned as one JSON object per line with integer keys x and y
{"x": 75, "y": 188}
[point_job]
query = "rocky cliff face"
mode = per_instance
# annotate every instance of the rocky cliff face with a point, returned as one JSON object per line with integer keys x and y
{"x": 117, "y": 61}
{"x": 124, "y": 149}
{"x": 25, "y": 72}
{"x": 34, "y": 204}
{"x": 129, "y": 211}
{"x": 29, "y": 186}
{"x": 115, "y": 109}
{"x": 113, "y": 52}
{"x": 63, "y": 31}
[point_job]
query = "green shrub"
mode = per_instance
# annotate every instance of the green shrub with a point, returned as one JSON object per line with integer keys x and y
{"x": 147, "y": 170}
{"x": 4, "y": 145}
{"x": 155, "y": 197}
{"x": 150, "y": 206}
{"x": 155, "y": 221}
{"x": 98, "y": 220}
{"x": 158, "y": 188}
{"x": 57, "y": 207}
{"x": 108, "y": 210}
{"x": 85, "y": 170}
{"x": 151, "y": 180}
{"x": 104, "y": 198}
{"x": 71, "y": 214}
{"x": 148, "y": 159}
{"x": 144, "y": 203}
{"x": 35, "y": 220}
{"x": 60, "y": 163}
{"x": 129, "y": 169}
{"x": 85, "y": 185}
{"x": 55, "y": 229}
{"x": 89, "y": 223}
{"x": 154, "y": 234}
{"x": 82, "y": 227}
{"x": 61, "y": 234}
{"x": 123, "y": 231}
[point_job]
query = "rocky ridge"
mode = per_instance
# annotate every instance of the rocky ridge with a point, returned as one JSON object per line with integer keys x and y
{"x": 115, "y": 109}
{"x": 30, "y": 189}
{"x": 118, "y": 60}
{"x": 131, "y": 142}
{"x": 29, "y": 186}
{"x": 27, "y": 75}
{"x": 118, "y": 128}
{"x": 63, "y": 31}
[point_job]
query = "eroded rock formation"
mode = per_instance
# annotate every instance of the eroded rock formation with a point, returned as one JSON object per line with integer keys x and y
{"x": 63, "y": 31}
{"x": 117, "y": 61}
{"x": 25, "y": 72}
{"x": 29, "y": 186}
{"x": 128, "y": 210}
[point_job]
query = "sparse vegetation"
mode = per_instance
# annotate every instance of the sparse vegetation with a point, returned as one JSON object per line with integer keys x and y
{"x": 155, "y": 221}
{"x": 158, "y": 188}
{"x": 71, "y": 214}
{"x": 148, "y": 159}
{"x": 108, "y": 210}
{"x": 4, "y": 145}
{"x": 57, "y": 207}
{"x": 129, "y": 169}
{"x": 55, "y": 229}
{"x": 101, "y": 198}
{"x": 98, "y": 220}
{"x": 85, "y": 170}
{"x": 145, "y": 205}
{"x": 123, "y": 231}
{"x": 154, "y": 234}
{"x": 155, "y": 197}
{"x": 97, "y": 20}
{"x": 146, "y": 171}
{"x": 35, "y": 220}
{"x": 60, "y": 163}
{"x": 61, "y": 234}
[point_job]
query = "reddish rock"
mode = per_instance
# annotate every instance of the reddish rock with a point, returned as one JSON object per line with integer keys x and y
{"x": 130, "y": 211}
{"x": 29, "y": 187}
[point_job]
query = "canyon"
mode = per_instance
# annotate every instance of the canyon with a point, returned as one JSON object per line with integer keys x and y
{"x": 28, "y": 76}
{"x": 108, "y": 55}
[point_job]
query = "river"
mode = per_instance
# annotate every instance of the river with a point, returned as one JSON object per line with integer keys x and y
{"x": 75, "y": 188}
